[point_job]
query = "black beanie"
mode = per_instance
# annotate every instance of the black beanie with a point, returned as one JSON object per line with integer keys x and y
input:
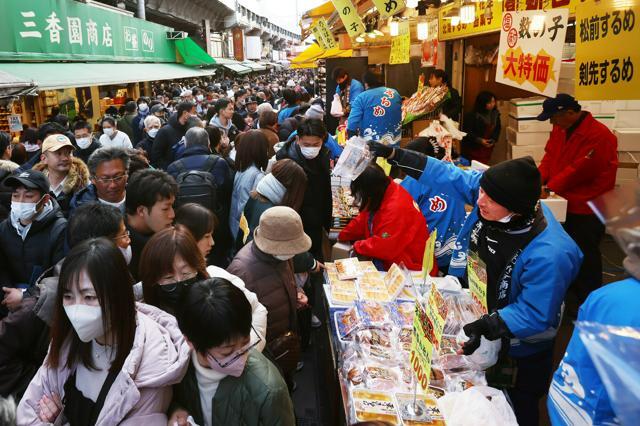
{"x": 514, "y": 184}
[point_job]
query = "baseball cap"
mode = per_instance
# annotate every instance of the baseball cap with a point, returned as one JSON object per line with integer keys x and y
{"x": 55, "y": 142}
{"x": 251, "y": 100}
{"x": 157, "y": 108}
{"x": 558, "y": 104}
{"x": 31, "y": 179}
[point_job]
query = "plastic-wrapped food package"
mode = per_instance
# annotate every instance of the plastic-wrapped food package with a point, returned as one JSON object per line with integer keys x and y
{"x": 461, "y": 311}
{"x": 374, "y": 314}
{"x": 369, "y": 405}
{"x": 346, "y": 323}
{"x": 354, "y": 159}
{"x": 457, "y": 382}
{"x": 430, "y": 413}
{"x": 381, "y": 377}
{"x": 377, "y": 344}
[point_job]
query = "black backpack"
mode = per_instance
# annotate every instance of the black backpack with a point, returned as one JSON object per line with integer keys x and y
{"x": 198, "y": 186}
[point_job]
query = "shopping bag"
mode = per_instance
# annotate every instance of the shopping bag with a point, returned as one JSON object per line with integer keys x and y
{"x": 477, "y": 406}
{"x": 353, "y": 160}
{"x": 336, "y": 106}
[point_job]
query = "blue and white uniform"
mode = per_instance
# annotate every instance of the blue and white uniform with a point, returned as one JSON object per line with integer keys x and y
{"x": 377, "y": 113}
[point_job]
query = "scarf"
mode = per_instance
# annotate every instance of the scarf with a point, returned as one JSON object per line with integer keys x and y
{"x": 271, "y": 188}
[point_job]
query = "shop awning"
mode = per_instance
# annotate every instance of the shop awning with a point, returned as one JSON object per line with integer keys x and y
{"x": 304, "y": 65}
{"x": 308, "y": 54}
{"x": 11, "y": 85}
{"x": 335, "y": 53}
{"x": 253, "y": 65}
{"x": 189, "y": 53}
{"x": 60, "y": 75}
{"x": 233, "y": 65}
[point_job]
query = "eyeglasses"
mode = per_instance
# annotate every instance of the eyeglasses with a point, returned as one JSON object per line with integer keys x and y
{"x": 239, "y": 353}
{"x": 106, "y": 180}
{"x": 126, "y": 234}
{"x": 171, "y": 286}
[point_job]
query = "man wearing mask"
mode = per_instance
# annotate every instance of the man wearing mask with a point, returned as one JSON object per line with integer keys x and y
{"x": 152, "y": 125}
{"x": 31, "y": 239}
{"x": 160, "y": 111}
{"x": 108, "y": 170}
{"x": 137, "y": 124}
{"x": 125, "y": 124}
{"x": 169, "y": 135}
{"x": 86, "y": 143}
{"x": 348, "y": 88}
{"x": 519, "y": 263}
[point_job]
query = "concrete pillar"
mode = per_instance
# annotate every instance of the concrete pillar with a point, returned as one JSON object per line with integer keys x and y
{"x": 141, "y": 12}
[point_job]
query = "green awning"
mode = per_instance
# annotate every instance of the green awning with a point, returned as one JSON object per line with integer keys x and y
{"x": 190, "y": 53}
{"x": 60, "y": 75}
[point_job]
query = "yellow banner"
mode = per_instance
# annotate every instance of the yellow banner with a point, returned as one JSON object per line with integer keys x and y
{"x": 607, "y": 53}
{"x": 323, "y": 35}
{"x": 429, "y": 250}
{"x": 349, "y": 16}
{"x": 400, "y": 45}
{"x": 388, "y": 8}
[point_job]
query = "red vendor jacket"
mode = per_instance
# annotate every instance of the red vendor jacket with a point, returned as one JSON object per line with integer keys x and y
{"x": 582, "y": 167}
{"x": 399, "y": 231}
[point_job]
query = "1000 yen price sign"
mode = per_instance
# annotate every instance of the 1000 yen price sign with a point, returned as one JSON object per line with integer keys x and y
{"x": 421, "y": 354}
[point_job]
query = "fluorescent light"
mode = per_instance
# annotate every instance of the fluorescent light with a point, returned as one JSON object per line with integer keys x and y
{"x": 455, "y": 20}
{"x": 467, "y": 14}
{"x": 412, "y": 3}
{"x": 537, "y": 23}
{"x": 422, "y": 30}
{"x": 394, "y": 28}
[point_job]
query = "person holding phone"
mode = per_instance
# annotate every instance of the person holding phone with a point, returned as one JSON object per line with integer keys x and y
{"x": 483, "y": 128}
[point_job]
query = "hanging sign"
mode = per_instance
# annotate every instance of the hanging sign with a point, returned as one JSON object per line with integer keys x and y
{"x": 401, "y": 45}
{"x": 323, "y": 35}
{"x": 607, "y": 50}
{"x": 15, "y": 123}
{"x": 530, "y": 52}
{"x": 349, "y": 16}
{"x": 522, "y": 5}
{"x": 388, "y": 8}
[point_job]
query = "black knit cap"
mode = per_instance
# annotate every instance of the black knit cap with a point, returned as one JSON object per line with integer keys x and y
{"x": 514, "y": 184}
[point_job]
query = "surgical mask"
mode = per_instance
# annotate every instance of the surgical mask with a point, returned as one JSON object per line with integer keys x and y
{"x": 83, "y": 143}
{"x": 170, "y": 295}
{"x": 126, "y": 252}
{"x": 108, "y": 131}
{"x": 143, "y": 107}
{"x": 152, "y": 132}
{"x": 284, "y": 257}
{"x": 506, "y": 219}
{"x": 234, "y": 369}
{"x": 23, "y": 211}
{"x": 200, "y": 98}
{"x": 310, "y": 152}
{"x": 86, "y": 320}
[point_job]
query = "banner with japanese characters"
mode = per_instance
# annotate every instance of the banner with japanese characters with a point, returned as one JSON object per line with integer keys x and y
{"x": 388, "y": 8}
{"x": 323, "y": 35}
{"x": 70, "y": 30}
{"x": 530, "y": 51}
{"x": 401, "y": 45}
{"x": 349, "y": 15}
{"x": 607, "y": 51}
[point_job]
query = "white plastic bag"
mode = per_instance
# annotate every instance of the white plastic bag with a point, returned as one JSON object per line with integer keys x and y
{"x": 487, "y": 353}
{"x": 452, "y": 127}
{"x": 336, "y": 106}
{"x": 477, "y": 406}
{"x": 443, "y": 137}
{"x": 353, "y": 160}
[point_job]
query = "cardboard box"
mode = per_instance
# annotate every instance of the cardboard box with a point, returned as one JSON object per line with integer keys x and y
{"x": 526, "y": 107}
{"x": 340, "y": 250}
{"x": 628, "y": 139}
{"x": 629, "y": 104}
{"x": 567, "y": 86}
{"x": 419, "y": 125}
{"x": 607, "y": 120}
{"x": 628, "y": 157}
{"x": 600, "y": 107}
{"x": 529, "y": 124}
{"x": 558, "y": 207}
{"x": 520, "y": 138}
{"x": 519, "y": 151}
{"x": 627, "y": 118}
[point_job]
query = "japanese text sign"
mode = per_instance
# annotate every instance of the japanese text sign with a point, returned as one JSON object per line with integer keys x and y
{"x": 401, "y": 45}
{"x": 323, "y": 35}
{"x": 349, "y": 16}
{"x": 607, "y": 50}
{"x": 388, "y": 8}
{"x": 531, "y": 50}
{"x": 69, "y": 30}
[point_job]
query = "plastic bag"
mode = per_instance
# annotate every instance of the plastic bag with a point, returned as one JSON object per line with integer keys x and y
{"x": 615, "y": 352}
{"x": 487, "y": 354}
{"x": 353, "y": 160}
{"x": 336, "y": 106}
{"x": 477, "y": 406}
{"x": 442, "y": 135}
{"x": 452, "y": 127}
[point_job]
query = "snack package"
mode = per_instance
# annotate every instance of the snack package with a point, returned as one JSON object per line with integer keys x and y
{"x": 368, "y": 266}
{"x": 456, "y": 363}
{"x": 430, "y": 413}
{"x": 346, "y": 322}
{"x": 371, "y": 281}
{"x": 353, "y": 365}
{"x": 395, "y": 280}
{"x": 449, "y": 345}
{"x": 404, "y": 338}
{"x": 348, "y": 268}
{"x": 458, "y": 382}
{"x": 343, "y": 292}
{"x": 461, "y": 310}
{"x": 374, "y": 314}
{"x": 381, "y": 377}
{"x": 404, "y": 314}
{"x": 369, "y": 405}
{"x": 354, "y": 159}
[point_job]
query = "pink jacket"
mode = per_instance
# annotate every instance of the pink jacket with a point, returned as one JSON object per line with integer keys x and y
{"x": 141, "y": 393}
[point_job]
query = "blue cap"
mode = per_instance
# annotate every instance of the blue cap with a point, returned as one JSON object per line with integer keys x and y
{"x": 560, "y": 103}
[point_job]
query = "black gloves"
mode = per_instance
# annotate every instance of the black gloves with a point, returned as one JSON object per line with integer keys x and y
{"x": 490, "y": 326}
{"x": 380, "y": 150}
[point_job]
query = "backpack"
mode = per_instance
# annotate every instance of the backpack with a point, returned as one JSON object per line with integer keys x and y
{"x": 178, "y": 148}
{"x": 198, "y": 186}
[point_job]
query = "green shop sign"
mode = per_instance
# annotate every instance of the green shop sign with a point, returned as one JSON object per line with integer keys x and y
{"x": 71, "y": 31}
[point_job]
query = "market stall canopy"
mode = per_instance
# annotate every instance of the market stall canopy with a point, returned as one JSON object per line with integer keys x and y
{"x": 233, "y": 65}
{"x": 310, "y": 53}
{"x": 253, "y": 65}
{"x": 336, "y": 52}
{"x": 189, "y": 53}
{"x": 10, "y": 85}
{"x": 304, "y": 65}
{"x": 57, "y": 75}
{"x": 312, "y": 16}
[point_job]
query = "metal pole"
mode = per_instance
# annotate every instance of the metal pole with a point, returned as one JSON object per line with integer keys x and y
{"x": 141, "y": 11}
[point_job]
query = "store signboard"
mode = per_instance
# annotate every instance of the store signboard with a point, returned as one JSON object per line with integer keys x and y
{"x": 69, "y": 30}
{"x": 530, "y": 51}
{"x": 607, "y": 53}
{"x": 388, "y": 8}
{"x": 401, "y": 45}
{"x": 349, "y": 16}
{"x": 323, "y": 35}
{"x": 15, "y": 123}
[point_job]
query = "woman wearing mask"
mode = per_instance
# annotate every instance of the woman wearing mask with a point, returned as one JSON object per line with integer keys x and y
{"x": 252, "y": 157}
{"x": 111, "y": 136}
{"x": 110, "y": 361}
{"x": 171, "y": 262}
{"x": 483, "y": 128}
{"x": 137, "y": 124}
{"x": 228, "y": 380}
{"x": 152, "y": 125}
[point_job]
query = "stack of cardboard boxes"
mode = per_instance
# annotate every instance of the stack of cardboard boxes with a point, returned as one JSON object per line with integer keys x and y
{"x": 525, "y": 134}
{"x": 627, "y": 129}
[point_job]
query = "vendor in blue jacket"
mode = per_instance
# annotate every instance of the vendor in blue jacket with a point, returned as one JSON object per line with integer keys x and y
{"x": 377, "y": 113}
{"x": 348, "y": 88}
{"x": 521, "y": 262}
{"x": 577, "y": 395}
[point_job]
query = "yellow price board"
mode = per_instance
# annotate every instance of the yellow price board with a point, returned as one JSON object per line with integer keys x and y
{"x": 349, "y": 16}
{"x": 607, "y": 56}
{"x": 429, "y": 250}
{"x": 388, "y": 8}
{"x": 384, "y": 165}
{"x": 477, "y": 275}
{"x": 323, "y": 35}
{"x": 400, "y": 45}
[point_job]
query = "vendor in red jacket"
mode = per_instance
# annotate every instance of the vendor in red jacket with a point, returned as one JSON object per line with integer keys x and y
{"x": 390, "y": 227}
{"x": 579, "y": 164}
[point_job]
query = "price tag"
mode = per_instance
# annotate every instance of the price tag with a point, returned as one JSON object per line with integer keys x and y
{"x": 477, "y": 274}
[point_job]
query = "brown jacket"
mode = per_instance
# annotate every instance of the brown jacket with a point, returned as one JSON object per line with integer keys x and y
{"x": 272, "y": 280}
{"x": 77, "y": 179}
{"x": 272, "y": 137}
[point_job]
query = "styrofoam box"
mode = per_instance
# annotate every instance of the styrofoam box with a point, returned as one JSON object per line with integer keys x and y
{"x": 558, "y": 207}
{"x": 524, "y": 138}
{"x": 628, "y": 172}
{"x": 529, "y": 124}
{"x": 629, "y": 104}
{"x": 627, "y": 118}
{"x": 600, "y": 107}
{"x": 519, "y": 151}
{"x": 629, "y": 157}
{"x": 566, "y": 85}
{"x": 526, "y": 107}
{"x": 607, "y": 120}
{"x": 628, "y": 139}
{"x": 568, "y": 70}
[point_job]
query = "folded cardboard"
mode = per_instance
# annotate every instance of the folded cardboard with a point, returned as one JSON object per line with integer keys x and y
{"x": 628, "y": 139}
{"x": 526, "y": 107}
{"x": 527, "y": 138}
{"x": 519, "y": 151}
{"x": 529, "y": 124}
{"x": 558, "y": 207}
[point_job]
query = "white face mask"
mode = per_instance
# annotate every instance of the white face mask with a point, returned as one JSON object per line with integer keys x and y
{"x": 143, "y": 107}
{"x": 86, "y": 320}
{"x": 284, "y": 257}
{"x": 310, "y": 152}
{"x": 23, "y": 211}
{"x": 152, "y": 132}
{"x": 126, "y": 252}
{"x": 108, "y": 131}
{"x": 200, "y": 98}
{"x": 83, "y": 143}
{"x": 506, "y": 219}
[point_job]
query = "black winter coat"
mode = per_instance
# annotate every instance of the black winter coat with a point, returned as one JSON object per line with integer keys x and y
{"x": 161, "y": 154}
{"x": 84, "y": 154}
